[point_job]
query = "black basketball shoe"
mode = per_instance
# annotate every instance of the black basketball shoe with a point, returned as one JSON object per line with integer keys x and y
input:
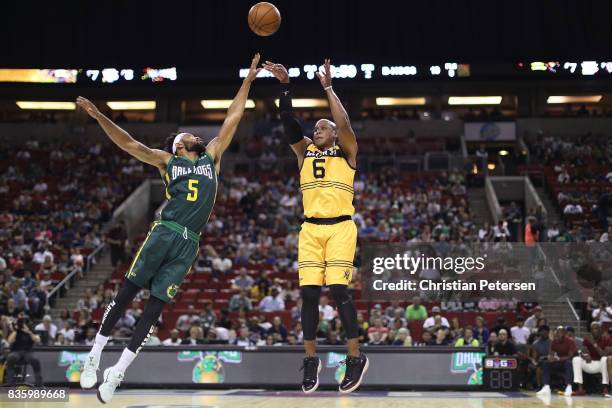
{"x": 356, "y": 367}
{"x": 312, "y": 368}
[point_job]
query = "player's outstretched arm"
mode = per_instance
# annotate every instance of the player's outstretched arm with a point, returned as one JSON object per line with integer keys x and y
{"x": 292, "y": 129}
{"x": 219, "y": 144}
{"x": 121, "y": 138}
{"x": 346, "y": 136}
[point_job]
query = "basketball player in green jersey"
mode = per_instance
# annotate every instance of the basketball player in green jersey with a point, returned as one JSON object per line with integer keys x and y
{"x": 189, "y": 170}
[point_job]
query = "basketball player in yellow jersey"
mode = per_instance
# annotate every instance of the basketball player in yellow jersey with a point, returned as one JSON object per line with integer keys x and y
{"x": 328, "y": 236}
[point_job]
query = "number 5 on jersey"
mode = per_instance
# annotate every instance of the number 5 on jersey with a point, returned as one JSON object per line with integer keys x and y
{"x": 193, "y": 190}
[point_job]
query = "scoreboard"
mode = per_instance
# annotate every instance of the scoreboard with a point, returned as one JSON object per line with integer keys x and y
{"x": 500, "y": 373}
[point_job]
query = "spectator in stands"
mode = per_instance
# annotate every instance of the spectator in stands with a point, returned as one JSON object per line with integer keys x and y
{"x": 532, "y": 321}
{"x": 436, "y": 320}
{"x": 187, "y": 320}
{"x": 501, "y": 325}
{"x": 153, "y": 338}
{"x": 243, "y": 281}
{"x": 571, "y": 334}
{"x": 243, "y": 338}
{"x": 272, "y": 302}
{"x": 68, "y": 331}
{"x": 481, "y": 333}
{"x": 380, "y": 329}
{"x": 502, "y": 346}
{"x": 46, "y": 330}
{"x": 328, "y": 312}
{"x": 501, "y": 232}
{"x": 426, "y": 338}
{"x": 196, "y": 336}
{"x": 562, "y": 351}
{"x": 593, "y": 359}
{"x": 456, "y": 331}
{"x": 376, "y": 339}
{"x": 441, "y": 338}
{"x": 240, "y": 301}
{"x": 531, "y": 233}
{"x": 485, "y": 233}
{"x": 135, "y": 310}
{"x": 539, "y": 351}
{"x": 292, "y": 339}
{"x": 21, "y": 340}
{"x": 41, "y": 254}
{"x": 208, "y": 317}
{"x": 603, "y": 314}
{"x": 278, "y": 331}
{"x": 467, "y": 339}
{"x": 416, "y": 311}
{"x": 520, "y": 333}
{"x": 403, "y": 338}
{"x": 491, "y": 344}
{"x": 90, "y": 336}
{"x": 117, "y": 241}
{"x": 174, "y": 339}
{"x": 221, "y": 263}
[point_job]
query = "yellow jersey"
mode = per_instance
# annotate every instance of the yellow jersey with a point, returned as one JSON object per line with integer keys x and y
{"x": 326, "y": 181}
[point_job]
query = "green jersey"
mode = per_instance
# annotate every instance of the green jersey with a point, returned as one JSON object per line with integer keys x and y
{"x": 191, "y": 189}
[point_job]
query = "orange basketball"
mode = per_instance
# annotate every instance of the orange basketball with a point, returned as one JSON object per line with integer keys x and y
{"x": 264, "y": 19}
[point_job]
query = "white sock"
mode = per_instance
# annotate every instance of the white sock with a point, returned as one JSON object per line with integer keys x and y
{"x": 125, "y": 360}
{"x": 98, "y": 345}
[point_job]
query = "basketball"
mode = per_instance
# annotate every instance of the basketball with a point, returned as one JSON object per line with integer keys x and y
{"x": 264, "y": 19}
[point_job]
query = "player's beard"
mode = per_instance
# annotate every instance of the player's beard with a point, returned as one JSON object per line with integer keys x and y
{"x": 195, "y": 147}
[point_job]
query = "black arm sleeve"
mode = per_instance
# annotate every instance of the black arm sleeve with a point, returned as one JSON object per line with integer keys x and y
{"x": 292, "y": 129}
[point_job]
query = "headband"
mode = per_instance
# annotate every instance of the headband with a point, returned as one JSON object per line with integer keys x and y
{"x": 177, "y": 139}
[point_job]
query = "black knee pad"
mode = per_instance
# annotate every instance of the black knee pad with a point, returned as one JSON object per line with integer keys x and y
{"x": 346, "y": 310}
{"x": 310, "y": 310}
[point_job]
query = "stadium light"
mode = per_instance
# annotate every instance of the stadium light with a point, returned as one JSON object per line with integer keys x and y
{"x": 39, "y": 105}
{"x": 384, "y": 101}
{"x": 503, "y": 152}
{"x": 131, "y": 105}
{"x": 474, "y": 100}
{"x": 223, "y": 103}
{"x": 574, "y": 99}
{"x": 491, "y": 166}
{"x": 307, "y": 103}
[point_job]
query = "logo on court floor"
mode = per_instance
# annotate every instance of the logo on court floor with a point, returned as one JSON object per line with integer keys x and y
{"x": 171, "y": 291}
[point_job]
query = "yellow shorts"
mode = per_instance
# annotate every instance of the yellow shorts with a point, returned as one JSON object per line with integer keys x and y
{"x": 326, "y": 252}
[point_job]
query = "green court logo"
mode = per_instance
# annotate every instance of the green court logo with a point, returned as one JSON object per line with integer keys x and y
{"x": 171, "y": 291}
{"x": 464, "y": 362}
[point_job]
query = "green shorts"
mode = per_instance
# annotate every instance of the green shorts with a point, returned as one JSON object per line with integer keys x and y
{"x": 164, "y": 259}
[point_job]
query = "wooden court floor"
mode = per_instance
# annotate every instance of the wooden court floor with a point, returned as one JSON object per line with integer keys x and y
{"x": 289, "y": 399}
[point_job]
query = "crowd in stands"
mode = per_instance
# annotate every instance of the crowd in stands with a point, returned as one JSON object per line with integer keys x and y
{"x": 578, "y": 172}
{"x": 56, "y": 197}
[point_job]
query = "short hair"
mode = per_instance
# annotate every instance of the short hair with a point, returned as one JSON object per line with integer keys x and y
{"x": 332, "y": 124}
{"x": 502, "y": 331}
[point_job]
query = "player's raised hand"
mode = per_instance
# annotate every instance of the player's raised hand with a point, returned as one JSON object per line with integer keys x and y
{"x": 88, "y": 107}
{"x": 325, "y": 77}
{"x": 278, "y": 70}
{"x": 253, "y": 70}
